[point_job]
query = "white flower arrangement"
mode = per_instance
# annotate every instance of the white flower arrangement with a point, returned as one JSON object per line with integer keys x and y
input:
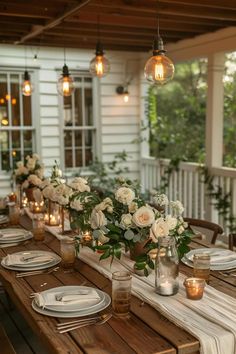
{"x": 31, "y": 173}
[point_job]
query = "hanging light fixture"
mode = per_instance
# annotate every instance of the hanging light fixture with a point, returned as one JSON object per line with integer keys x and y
{"x": 159, "y": 69}
{"x": 27, "y": 87}
{"x": 123, "y": 90}
{"x": 99, "y": 65}
{"x": 65, "y": 83}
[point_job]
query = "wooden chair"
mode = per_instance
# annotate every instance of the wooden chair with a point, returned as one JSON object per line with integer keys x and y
{"x": 232, "y": 241}
{"x": 208, "y": 225}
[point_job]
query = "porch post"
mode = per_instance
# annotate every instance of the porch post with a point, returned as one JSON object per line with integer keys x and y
{"x": 214, "y": 119}
{"x": 144, "y": 124}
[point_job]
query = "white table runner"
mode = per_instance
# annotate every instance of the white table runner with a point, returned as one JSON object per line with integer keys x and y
{"x": 212, "y": 319}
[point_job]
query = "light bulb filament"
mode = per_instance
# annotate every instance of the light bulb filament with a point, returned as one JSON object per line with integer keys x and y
{"x": 27, "y": 87}
{"x": 65, "y": 85}
{"x": 159, "y": 72}
{"x": 99, "y": 66}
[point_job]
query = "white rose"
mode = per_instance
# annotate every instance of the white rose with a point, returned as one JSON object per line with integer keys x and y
{"x": 48, "y": 191}
{"x": 171, "y": 222}
{"x": 44, "y": 183}
{"x": 35, "y": 157}
{"x": 110, "y": 209}
{"x": 98, "y": 219}
{"x": 126, "y": 220}
{"x": 30, "y": 164}
{"x": 180, "y": 230}
{"x": 33, "y": 179}
{"x": 22, "y": 170}
{"x": 40, "y": 172}
{"x": 159, "y": 229}
{"x": 143, "y": 217}
{"x": 62, "y": 200}
{"x": 102, "y": 238}
{"x": 19, "y": 164}
{"x": 25, "y": 184}
{"x": 133, "y": 207}
{"x": 76, "y": 204}
{"x": 125, "y": 195}
{"x": 80, "y": 184}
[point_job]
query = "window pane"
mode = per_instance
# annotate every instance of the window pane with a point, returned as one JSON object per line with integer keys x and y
{"x": 68, "y": 158}
{"x": 15, "y": 139}
{"x": 27, "y": 110}
{"x": 78, "y": 107}
{"x": 28, "y": 140}
{"x": 88, "y": 138}
{"x": 78, "y": 138}
{"x": 16, "y": 156}
{"x": 88, "y": 106}
{"x": 78, "y": 157}
{"x": 4, "y": 119}
{"x": 88, "y": 156}
{"x": 67, "y": 138}
{"x": 88, "y": 79}
{"x": 4, "y": 149}
{"x": 68, "y": 120}
{"x": 14, "y": 100}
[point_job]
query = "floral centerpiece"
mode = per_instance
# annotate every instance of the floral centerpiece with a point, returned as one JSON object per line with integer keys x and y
{"x": 29, "y": 173}
{"x": 125, "y": 220}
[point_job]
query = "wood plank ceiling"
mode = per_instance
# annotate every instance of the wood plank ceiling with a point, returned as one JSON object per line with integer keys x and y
{"x": 123, "y": 24}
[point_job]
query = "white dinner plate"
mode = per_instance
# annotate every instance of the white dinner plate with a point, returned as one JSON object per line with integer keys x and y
{"x": 75, "y": 307}
{"x": 56, "y": 259}
{"x": 225, "y": 266}
{"x": 104, "y": 304}
{"x": 25, "y": 235}
{"x": 4, "y": 219}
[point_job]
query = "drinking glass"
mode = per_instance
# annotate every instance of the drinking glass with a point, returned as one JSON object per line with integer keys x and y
{"x": 121, "y": 294}
{"x": 201, "y": 266}
{"x": 67, "y": 245}
{"x": 38, "y": 227}
{"x": 14, "y": 213}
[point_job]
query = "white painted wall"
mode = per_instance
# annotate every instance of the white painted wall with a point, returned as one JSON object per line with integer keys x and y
{"x": 118, "y": 122}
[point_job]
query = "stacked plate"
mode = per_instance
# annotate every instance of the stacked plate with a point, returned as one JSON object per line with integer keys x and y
{"x": 70, "y": 301}
{"x": 30, "y": 260}
{"x": 4, "y": 219}
{"x": 221, "y": 259}
{"x": 12, "y": 236}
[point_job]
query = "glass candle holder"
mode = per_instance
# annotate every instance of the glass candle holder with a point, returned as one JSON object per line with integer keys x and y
{"x": 194, "y": 288}
{"x": 37, "y": 207}
{"x": 121, "y": 293}
{"x": 87, "y": 238}
{"x": 67, "y": 247}
{"x": 38, "y": 227}
{"x": 14, "y": 213}
{"x": 201, "y": 266}
{"x": 166, "y": 267}
{"x": 12, "y": 197}
{"x": 53, "y": 217}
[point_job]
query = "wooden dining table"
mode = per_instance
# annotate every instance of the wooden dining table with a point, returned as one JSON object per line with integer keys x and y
{"x": 145, "y": 332}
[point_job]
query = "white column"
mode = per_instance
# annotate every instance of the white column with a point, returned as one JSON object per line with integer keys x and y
{"x": 214, "y": 119}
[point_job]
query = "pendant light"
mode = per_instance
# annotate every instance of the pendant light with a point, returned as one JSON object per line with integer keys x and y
{"x": 65, "y": 83}
{"x": 27, "y": 87}
{"x": 99, "y": 65}
{"x": 159, "y": 69}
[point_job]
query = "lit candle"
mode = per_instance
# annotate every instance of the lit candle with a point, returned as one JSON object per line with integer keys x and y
{"x": 87, "y": 236}
{"x": 166, "y": 288}
{"x": 194, "y": 288}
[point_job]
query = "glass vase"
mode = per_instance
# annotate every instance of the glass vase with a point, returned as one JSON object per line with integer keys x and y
{"x": 166, "y": 267}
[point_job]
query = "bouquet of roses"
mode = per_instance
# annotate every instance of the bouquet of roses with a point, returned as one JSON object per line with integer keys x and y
{"x": 30, "y": 173}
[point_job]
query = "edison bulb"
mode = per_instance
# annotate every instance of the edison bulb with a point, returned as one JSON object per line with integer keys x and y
{"x": 159, "y": 69}
{"x": 65, "y": 85}
{"x": 27, "y": 88}
{"x": 99, "y": 66}
{"x": 126, "y": 97}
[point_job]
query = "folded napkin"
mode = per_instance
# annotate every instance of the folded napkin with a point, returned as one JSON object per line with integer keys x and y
{"x": 219, "y": 257}
{"x": 84, "y": 298}
{"x": 17, "y": 259}
{"x": 11, "y": 235}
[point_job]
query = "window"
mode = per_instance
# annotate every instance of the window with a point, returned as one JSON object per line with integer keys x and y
{"x": 79, "y": 126}
{"x": 17, "y": 132}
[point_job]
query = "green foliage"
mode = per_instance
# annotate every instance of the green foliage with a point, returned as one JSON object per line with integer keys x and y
{"x": 177, "y": 114}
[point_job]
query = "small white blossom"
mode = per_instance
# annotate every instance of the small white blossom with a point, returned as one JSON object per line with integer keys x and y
{"x": 177, "y": 207}
{"x": 125, "y": 195}
{"x": 77, "y": 205}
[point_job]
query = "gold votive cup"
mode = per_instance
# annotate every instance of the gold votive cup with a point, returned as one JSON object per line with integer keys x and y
{"x": 38, "y": 227}
{"x": 194, "y": 288}
{"x": 14, "y": 213}
{"x": 67, "y": 251}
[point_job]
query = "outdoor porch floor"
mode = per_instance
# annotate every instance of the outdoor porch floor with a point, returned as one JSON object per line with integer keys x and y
{"x": 20, "y": 334}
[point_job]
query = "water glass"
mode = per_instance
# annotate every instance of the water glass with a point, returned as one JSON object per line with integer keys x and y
{"x": 201, "y": 266}
{"x": 14, "y": 213}
{"x": 38, "y": 227}
{"x": 67, "y": 246}
{"x": 121, "y": 294}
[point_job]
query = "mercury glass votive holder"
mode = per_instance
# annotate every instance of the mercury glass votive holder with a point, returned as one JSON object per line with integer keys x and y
{"x": 194, "y": 288}
{"x": 38, "y": 227}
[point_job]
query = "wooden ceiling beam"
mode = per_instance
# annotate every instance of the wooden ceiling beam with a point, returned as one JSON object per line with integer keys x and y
{"x": 52, "y": 23}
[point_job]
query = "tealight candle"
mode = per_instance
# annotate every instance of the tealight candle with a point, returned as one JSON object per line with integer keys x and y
{"x": 194, "y": 288}
{"x": 166, "y": 288}
{"x": 86, "y": 239}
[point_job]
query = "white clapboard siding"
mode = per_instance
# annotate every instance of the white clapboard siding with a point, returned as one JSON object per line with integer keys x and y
{"x": 119, "y": 121}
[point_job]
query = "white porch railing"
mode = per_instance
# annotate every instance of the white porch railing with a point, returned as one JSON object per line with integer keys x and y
{"x": 186, "y": 185}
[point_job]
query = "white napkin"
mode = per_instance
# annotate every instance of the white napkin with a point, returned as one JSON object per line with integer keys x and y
{"x": 91, "y": 297}
{"x": 16, "y": 259}
{"x": 10, "y": 235}
{"x": 218, "y": 257}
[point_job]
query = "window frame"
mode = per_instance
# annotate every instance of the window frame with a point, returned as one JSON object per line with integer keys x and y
{"x": 35, "y": 109}
{"x": 95, "y": 128}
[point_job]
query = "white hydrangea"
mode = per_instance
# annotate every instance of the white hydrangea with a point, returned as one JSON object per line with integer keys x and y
{"x": 177, "y": 207}
{"x": 161, "y": 200}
